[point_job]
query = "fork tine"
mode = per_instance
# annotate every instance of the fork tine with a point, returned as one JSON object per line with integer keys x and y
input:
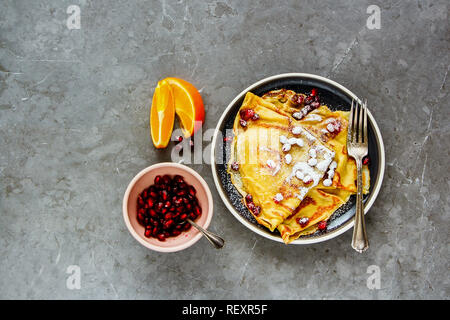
{"x": 350, "y": 125}
{"x": 365, "y": 122}
{"x": 360, "y": 123}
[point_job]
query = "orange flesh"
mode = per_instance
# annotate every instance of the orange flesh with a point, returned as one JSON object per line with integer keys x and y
{"x": 188, "y": 105}
{"x": 162, "y": 114}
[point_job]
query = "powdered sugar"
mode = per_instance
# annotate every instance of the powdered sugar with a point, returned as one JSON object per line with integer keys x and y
{"x": 299, "y": 174}
{"x": 297, "y": 130}
{"x": 283, "y": 139}
{"x": 330, "y": 127}
{"x": 313, "y": 117}
{"x": 271, "y": 164}
{"x": 292, "y": 140}
{"x": 288, "y": 158}
{"x": 312, "y": 162}
{"x": 286, "y": 147}
{"x": 299, "y": 142}
{"x": 278, "y": 197}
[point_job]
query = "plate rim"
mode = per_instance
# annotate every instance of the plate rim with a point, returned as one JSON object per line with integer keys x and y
{"x": 339, "y": 230}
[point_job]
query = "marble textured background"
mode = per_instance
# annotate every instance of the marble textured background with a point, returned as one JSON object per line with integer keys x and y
{"x": 74, "y": 130}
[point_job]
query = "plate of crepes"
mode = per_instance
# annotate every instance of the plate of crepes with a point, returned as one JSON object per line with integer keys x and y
{"x": 279, "y": 159}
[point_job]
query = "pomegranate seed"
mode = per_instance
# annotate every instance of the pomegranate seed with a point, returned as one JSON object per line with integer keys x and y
{"x": 187, "y": 226}
{"x": 157, "y": 180}
{"x": 227, "y": 139}
{"x": 167, "y": 204}
{"x": 178, "y": 179}
{"x": 145, "y": 194}
{"x": 249, "y": 198}
{"x": 181, "y": 193}
{"x": 153, "y": 194}
{"x": 153, "y": 213}
{"x": 178, "y": 138}
{"x": 313, "y": 92}
{"x": 255, "y": 117}
{"x": 243, "y": 123}
{"x": 140, "y": 201}
{"x": 235, "y": 166}
{"x": 148, "y": 233}
{"x": 247, "y": 114}
{"x": 166, "y": 179}
{"x": 192, "y": 191}
{"x": 179, "y": 227}
{"x": 315, "y": 105}
{"x": 303, "y": 221}
{"x": 182, "y": 186}
{"x": 168, "y": 216}
{"x": 150, "y": 202}
{"x": 198, "y": 210}
{"x": 308, "y": 181}
{"x": 164, "y": 195}
{"x": 322, "y": 225}
{"x": 297, "y": 99}
{"x": 176, "y": 233}
{"x": 141, "y": 217}
{"x": 183, "y": 216}
{"x": 316, "y": 99}
{"x": 159, "y": 206}
{"x": 308, "y": 100}
{"x": 257, "y": 210}
{"x": 366, "y": 160}
{"x": 169, "y": 223}
{"x": 161, "y": 237}
{"x": 146, "y": 221}
{"x": 192, "y": 215}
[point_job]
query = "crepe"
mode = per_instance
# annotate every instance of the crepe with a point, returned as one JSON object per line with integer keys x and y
{"x": 263, "y": 169}
{"x": 343, "y": 185}
{"x": 285, "y": 202}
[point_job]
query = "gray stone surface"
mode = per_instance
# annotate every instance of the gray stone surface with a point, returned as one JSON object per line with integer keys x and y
{"x": 74, "y": 130}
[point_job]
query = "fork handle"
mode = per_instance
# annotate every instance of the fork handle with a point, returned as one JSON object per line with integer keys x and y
{"x": 359, "y": 241}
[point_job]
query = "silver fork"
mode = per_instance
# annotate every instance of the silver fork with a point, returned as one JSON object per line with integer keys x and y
{"x": 357, "y": 149}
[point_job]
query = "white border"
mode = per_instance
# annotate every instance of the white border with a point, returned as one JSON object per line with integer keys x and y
{"x": 334, "y": 233}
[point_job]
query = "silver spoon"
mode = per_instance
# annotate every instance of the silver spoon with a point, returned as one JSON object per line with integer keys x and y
{"x": 215, "y": 240}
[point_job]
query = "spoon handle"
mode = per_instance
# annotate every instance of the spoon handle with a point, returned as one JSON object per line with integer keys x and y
{"x": 215, "y": 240}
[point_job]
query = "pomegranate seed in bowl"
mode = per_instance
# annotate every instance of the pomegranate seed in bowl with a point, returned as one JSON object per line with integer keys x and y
{"x": 163, "y": 207}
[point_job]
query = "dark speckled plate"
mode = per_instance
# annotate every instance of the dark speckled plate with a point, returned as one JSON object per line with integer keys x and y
{"x": 336, "y": 97}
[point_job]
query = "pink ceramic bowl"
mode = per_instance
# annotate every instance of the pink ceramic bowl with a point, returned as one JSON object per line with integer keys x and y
{"x": 143, "y": 180}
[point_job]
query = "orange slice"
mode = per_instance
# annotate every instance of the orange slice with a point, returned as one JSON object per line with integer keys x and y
{"x": 188, "y": 105}
{"x": 162, "y": 114}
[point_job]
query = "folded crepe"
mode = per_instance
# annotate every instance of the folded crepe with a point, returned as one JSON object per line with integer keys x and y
{"x": 293, "y": 171}
{"x": 322, "y": 198}
{"x": 271, "y": 161}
